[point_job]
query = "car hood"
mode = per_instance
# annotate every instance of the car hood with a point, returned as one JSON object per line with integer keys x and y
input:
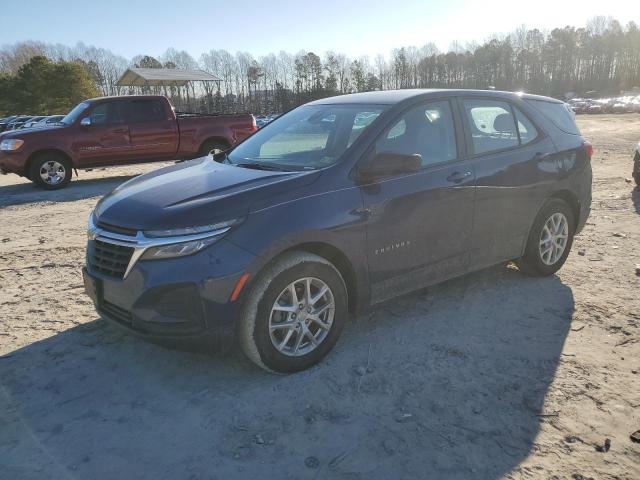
{"x": 198, "y": 192}
{"x": 31, "y": 131}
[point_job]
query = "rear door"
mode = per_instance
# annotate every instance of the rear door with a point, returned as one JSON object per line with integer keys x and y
{"x": 509, "y": 156}
{"x": 106, "y": 140}
{"x": 420, "y": 224}
{"x": 154, "y": 130}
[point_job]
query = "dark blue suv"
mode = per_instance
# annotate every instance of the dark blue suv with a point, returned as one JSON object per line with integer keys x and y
{"x": 338, "y": 205}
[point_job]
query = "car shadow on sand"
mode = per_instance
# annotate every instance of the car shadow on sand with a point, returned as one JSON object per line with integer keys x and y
{"x": 635, "y": 198}
{"x": 77, "y": 190}
{"x": 447, "y": 383}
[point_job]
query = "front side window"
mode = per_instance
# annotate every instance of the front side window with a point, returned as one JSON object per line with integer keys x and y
{"x": 107, "y": 114}
{"x": 492, "y": 125}
{"x": 308, "y": 137}
{"x": 142, "y": 111}
{"x": 427, "y": 130}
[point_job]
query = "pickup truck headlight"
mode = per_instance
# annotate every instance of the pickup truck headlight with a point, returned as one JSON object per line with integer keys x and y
{"x": 11, "y": 144}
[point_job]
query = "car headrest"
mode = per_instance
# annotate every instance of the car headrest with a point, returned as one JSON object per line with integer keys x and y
{"x": 503, "y": 123}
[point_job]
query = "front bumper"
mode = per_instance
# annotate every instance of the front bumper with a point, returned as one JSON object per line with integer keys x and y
{"x": 183, "y": 302}
{"x": 13, "y": 162}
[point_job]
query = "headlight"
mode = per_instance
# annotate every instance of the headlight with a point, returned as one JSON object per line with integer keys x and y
{"x": 179, "y": 232}
{"x": 11, "y": 144}
{"x": 168, "y": 244}
{"x": 178, "y": 249}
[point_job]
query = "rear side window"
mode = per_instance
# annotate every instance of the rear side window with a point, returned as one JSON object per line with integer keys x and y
{"x": 141, "y": 111}
{"x": 560, "y": 114}
{"x": 492, "y": 125}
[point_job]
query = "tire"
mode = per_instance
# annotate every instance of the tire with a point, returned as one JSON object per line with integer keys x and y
{"x": 537, "y": 260}
{"x": 636, "y": 169}
{"x": 50, "y": 171}
{"x": 209, "y": 146}
{"x": 273, "y": 285}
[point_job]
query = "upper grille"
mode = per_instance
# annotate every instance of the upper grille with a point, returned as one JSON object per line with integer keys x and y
{"x": 110, "y": 259}
{"x": 115, "y": 229}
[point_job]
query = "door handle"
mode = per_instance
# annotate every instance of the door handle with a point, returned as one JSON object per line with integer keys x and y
{"x": 457, "y": 177}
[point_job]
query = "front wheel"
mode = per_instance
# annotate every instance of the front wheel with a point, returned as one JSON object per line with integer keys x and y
{"x": 294, "y": 313}
{"x": 550, "y": 240}
{"x": 636, "y": 169}
{"x": 50, "y": 171}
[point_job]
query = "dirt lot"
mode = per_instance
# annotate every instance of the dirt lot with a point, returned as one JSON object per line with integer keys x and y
{"x": 489, "y": 376}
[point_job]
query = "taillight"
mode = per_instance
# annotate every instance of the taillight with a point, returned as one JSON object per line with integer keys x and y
{"x": 254, "y": 124}
{"x": 588, "y": 148}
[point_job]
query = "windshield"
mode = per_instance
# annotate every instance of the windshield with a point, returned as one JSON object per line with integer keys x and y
{"x": 73, "y": 115}
{"x": 308, "y": 137}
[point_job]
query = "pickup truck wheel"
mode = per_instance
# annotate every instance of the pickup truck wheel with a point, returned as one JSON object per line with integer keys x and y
{"x": 50, "y": 171}
{"x": 550, "y": 240}
{"x": 294, "y": 313}
{"x": 210, "y": 146}
{"x": 636, "y": 169}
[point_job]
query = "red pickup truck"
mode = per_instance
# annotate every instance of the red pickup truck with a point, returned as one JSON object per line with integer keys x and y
{"x": 117, "y": 131}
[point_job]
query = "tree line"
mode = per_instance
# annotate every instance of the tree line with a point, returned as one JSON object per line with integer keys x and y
{"x": 601, "y": 58}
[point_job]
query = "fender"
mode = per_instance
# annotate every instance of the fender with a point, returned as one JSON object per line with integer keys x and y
{"x": 355, "y": 274}
{"x": 332, "y": 226}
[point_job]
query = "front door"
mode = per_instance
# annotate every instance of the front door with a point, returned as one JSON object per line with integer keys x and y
{"x": 419, "y": 226}
{"x": 106, "y": 140}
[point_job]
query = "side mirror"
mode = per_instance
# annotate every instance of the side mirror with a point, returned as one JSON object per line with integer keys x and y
{"x": 86, "y": 122}
{"x": 388, "y": 164}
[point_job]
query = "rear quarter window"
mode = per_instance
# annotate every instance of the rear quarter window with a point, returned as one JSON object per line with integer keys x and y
{"x": 559, "y": 114}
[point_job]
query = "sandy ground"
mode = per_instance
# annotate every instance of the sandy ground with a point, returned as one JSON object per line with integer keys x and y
{"x": 490, "y": 376}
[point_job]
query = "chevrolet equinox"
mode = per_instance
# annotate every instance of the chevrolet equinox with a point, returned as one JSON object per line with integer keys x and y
{"x": 340, "y": 204}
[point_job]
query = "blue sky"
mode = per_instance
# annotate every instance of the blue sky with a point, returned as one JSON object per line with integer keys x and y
{"x": 354, "y": 27}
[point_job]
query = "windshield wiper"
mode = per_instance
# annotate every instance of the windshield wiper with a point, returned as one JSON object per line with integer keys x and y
{"x": 260, "y": 166}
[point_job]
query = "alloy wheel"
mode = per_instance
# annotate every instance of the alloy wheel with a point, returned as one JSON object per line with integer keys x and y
{"x": 301, "y": 316}
{"x": 553, "y": 238}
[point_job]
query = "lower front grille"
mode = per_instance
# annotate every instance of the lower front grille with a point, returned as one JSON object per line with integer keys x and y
{"x": 110, "y": 259}
{"x": 116, "y": 313}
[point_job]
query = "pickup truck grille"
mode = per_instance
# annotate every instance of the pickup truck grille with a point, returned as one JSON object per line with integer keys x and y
{"x": 110, "y": 259}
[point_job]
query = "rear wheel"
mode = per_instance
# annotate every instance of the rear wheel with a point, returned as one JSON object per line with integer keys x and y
{"x": 294, "y": 313}
{"x": 50, "y": 171}
{"x": 636, "y": 169}
{"x": 550, "y": 240}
